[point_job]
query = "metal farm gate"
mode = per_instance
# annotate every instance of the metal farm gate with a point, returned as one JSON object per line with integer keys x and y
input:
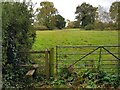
{"x": 83, "y": 58}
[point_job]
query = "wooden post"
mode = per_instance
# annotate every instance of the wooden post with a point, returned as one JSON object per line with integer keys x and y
{"x": 47, "y": 64}
{"x": 99, "y": 58}
{"x": 51, "y": 62}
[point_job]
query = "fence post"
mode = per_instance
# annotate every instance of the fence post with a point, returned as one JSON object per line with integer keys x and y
{"x": 99, "y": 58}
{"x": 51, "y": 62}
{"x": 47, "y": 64}
{"x": 119, "y": 61}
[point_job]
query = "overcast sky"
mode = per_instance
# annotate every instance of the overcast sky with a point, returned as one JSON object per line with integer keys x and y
{"x": 67, "y": 8}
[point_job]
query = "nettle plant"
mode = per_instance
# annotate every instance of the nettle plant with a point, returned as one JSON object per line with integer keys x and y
{"x": 91, "y": 78}
{"x": 98, "y": 78}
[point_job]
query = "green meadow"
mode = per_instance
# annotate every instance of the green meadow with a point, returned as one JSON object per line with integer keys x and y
{"x": 50, "y": 39}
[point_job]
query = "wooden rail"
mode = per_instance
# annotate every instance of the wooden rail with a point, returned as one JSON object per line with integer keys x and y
{"x": 48, "y": 65}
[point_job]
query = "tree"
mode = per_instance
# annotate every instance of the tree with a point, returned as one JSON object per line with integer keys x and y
{"x": 86, "y": 14}
{"x": 114, "y": 10}
{"x": 71, "y": 24}
{"x": 115, "y": 13}
{"x": 59, "y": 21}
{"x": 118, "y": 19}
{"x": 103, "y": 15}
{"x": 46, "y": 13}
{"x": 99, "y": 25}
{"x": 18, "y": 35}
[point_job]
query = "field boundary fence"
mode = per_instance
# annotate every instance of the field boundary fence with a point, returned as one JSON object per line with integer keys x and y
{"x": 105, "y": 58}
{"x": 45, "y": 61}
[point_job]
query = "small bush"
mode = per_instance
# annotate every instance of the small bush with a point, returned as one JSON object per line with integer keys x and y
{"x": 89, "y": 27}
{"x": 40, "y": 28}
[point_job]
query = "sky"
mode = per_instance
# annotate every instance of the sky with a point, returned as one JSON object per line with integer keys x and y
{"x": 67, "y": 8}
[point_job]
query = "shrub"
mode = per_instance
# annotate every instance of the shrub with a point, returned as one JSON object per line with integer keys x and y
{"x": 18, "y": 35}
{"x": 89, "y": 27}
{"x": 40, "y": 27}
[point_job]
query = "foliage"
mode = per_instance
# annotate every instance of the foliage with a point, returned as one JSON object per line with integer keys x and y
{"x": 48, "y": 16}
{"x": 60, "y": 21}
{"x": 99, "y": 25}
{"x": 86, "y": 14}
{"x": 18, "y": 35}
{"x": 89, "y": 27}
{"x": 39, "y": 27}
{"x": 92, "y": 78}
{"x": 118, "y": 17}
{"x": 115, "y": 14}
{"x": 73, "y": 24}
{"x": 103, "y": 15}
{"x": 105, "y": 26}
{"x": 46, "y": 13}
{"x": 100, "y": 78}
{"x": 114, "y": 10}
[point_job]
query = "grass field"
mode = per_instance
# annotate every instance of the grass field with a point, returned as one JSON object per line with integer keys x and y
{"x": 49, "y": 39}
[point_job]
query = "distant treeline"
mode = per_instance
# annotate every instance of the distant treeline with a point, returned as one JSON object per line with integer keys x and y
{"x": 87, "y": 17}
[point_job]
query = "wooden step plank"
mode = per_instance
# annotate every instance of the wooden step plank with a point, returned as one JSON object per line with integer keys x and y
{"x": 30, "y": 72}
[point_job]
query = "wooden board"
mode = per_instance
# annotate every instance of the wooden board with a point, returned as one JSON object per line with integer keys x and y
{"x": 30, "y": 72}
